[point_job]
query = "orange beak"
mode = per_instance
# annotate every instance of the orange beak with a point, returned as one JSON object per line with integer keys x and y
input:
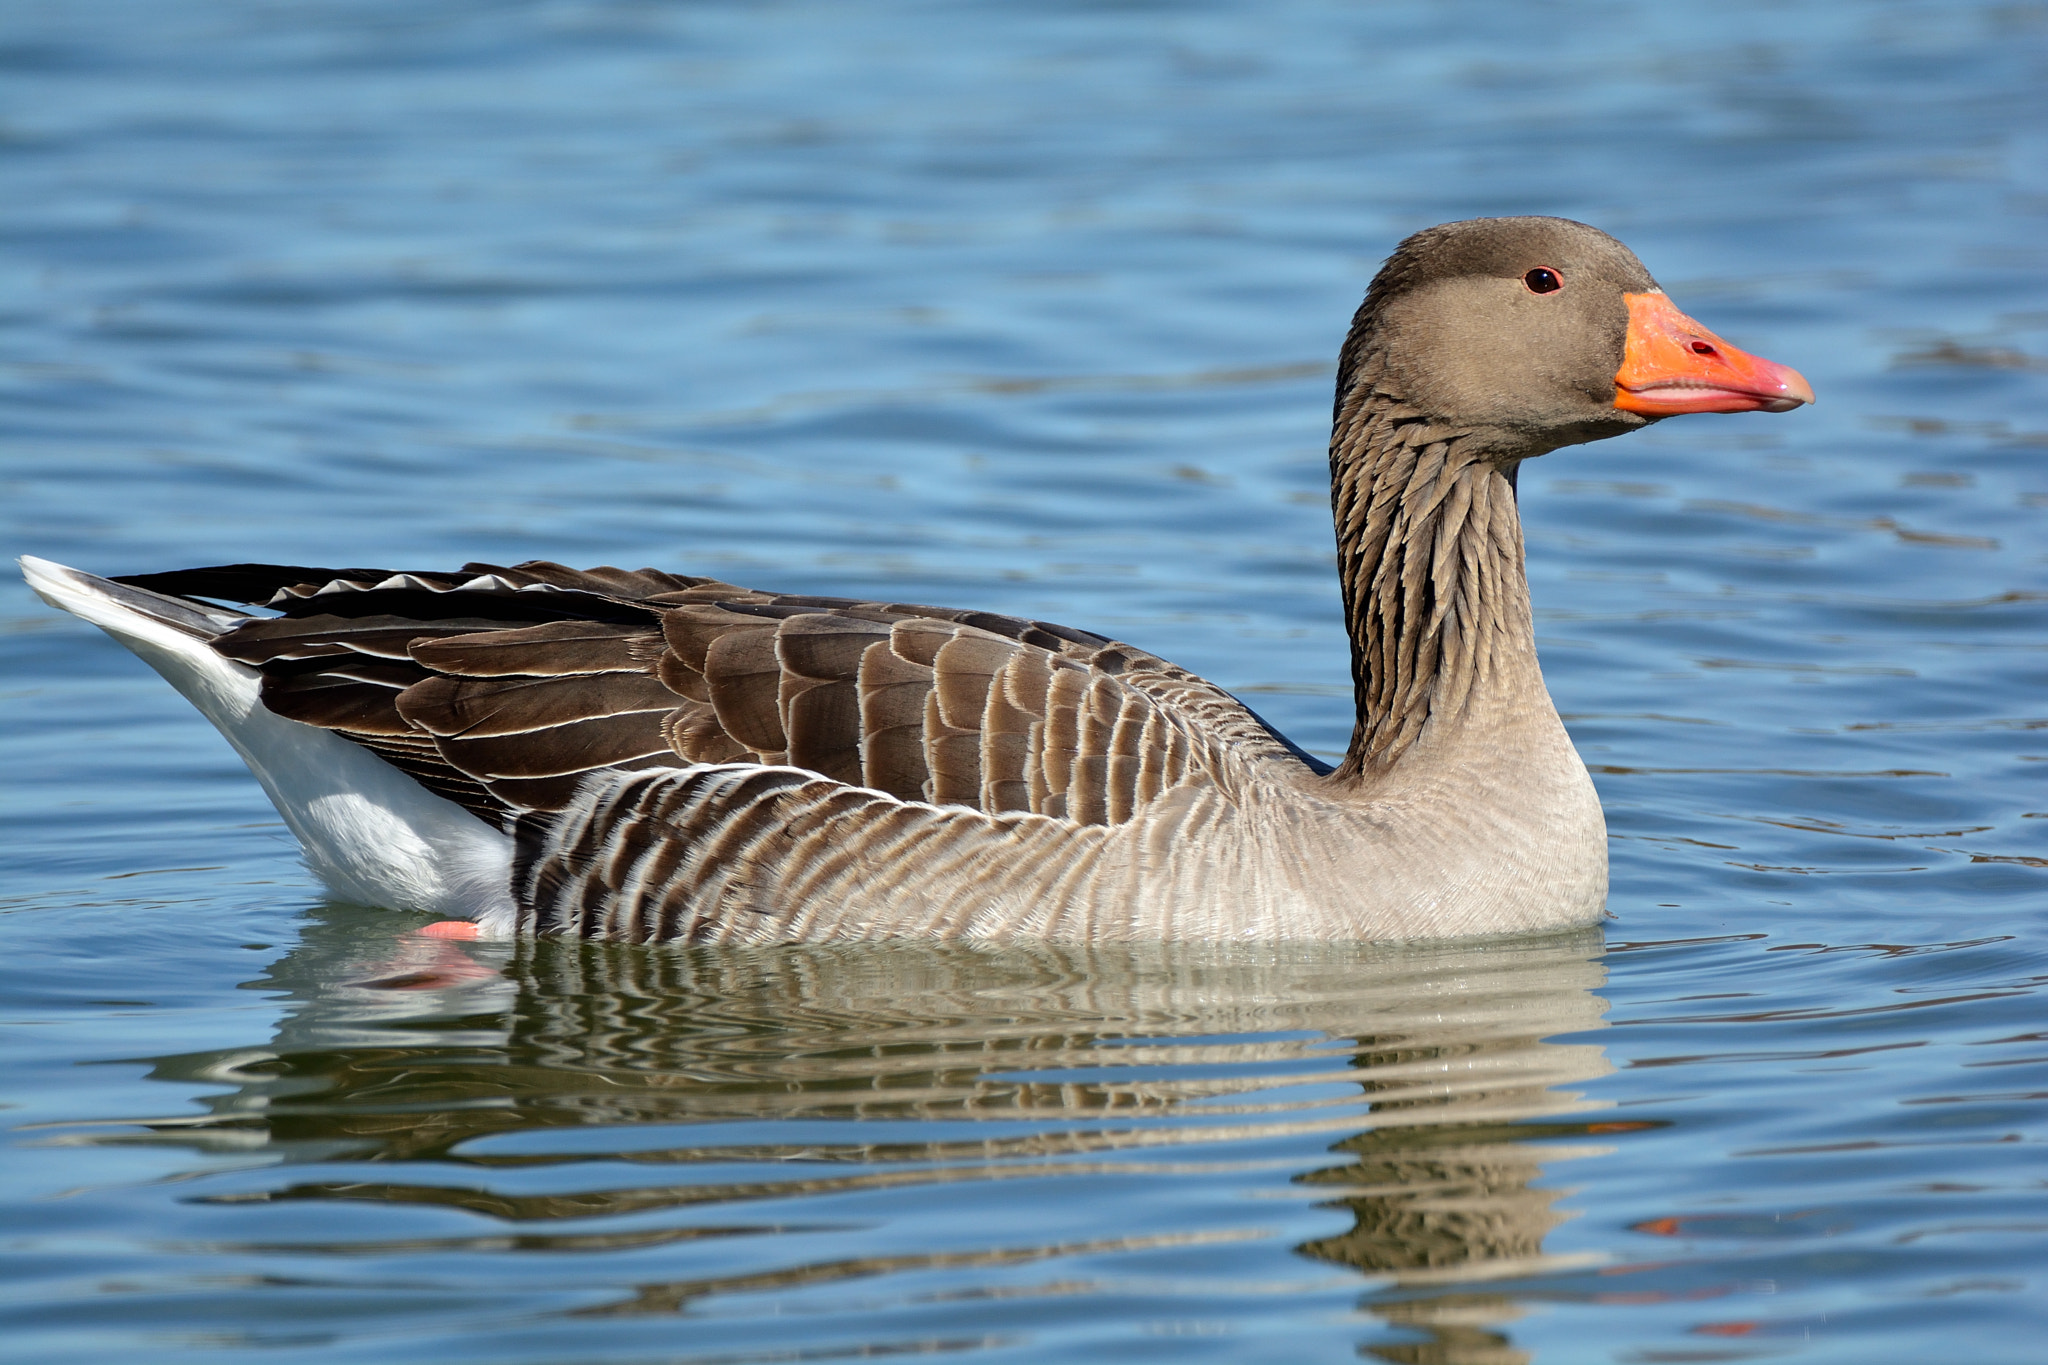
{"x": 1673, "y": 365}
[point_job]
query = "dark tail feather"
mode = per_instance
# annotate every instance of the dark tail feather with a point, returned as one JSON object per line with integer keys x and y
{"x": 251, "y": 583}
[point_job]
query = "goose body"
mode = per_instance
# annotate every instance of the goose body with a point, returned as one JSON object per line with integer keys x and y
{"x": 643, "y": 756}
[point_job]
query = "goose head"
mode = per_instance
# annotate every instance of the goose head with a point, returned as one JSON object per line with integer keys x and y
{"x": 1526, "y": 334}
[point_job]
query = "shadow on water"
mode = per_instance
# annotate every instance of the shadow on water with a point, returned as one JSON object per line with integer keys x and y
{"x": 750, "y": 1121}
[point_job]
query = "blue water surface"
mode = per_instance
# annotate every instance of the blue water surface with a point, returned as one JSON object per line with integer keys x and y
{"x": 1033, "y": 307}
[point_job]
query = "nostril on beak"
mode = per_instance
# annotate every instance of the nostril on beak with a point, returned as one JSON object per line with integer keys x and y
{"x": 1701, "y": 348}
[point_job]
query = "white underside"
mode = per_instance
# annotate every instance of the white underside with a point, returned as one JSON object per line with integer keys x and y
{"x": 371, "y": 834}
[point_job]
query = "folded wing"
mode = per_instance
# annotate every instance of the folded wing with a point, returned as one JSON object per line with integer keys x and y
{"x": 503, "y": 689}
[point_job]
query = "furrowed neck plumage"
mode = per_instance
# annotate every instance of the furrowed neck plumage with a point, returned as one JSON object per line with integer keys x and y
{"x": 1429, "y": 552}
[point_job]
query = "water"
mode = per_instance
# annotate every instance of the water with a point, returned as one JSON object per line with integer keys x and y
{"x": 1033, "y": 307}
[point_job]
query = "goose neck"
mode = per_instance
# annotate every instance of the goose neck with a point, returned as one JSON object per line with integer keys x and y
{"x": 1429, "y": 549}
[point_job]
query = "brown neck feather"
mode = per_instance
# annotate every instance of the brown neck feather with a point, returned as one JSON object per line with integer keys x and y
{"x": 1429, "y": 549}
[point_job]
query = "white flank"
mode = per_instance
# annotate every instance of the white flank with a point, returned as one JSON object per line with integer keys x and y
{"x": 371, "y": 834}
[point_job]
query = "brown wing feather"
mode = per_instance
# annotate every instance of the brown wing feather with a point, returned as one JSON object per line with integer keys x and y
{"x": 504, "y": 687}
{"x": 892, "y": 691}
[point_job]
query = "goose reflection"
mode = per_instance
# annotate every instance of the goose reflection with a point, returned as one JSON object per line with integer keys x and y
{"x": 1414, "y": 1088}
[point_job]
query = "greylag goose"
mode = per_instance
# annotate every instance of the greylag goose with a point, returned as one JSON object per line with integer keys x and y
{"x": 642, "y": 756}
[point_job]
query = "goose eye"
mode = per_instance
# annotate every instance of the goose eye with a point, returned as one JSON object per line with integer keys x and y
{"x": 1543, "y": 280}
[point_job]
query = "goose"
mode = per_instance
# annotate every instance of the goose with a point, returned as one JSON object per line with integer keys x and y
{"x": 648, "y": 757}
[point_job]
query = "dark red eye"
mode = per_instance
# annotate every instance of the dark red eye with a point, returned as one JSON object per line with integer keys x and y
{"x": 1543, "y": 280}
